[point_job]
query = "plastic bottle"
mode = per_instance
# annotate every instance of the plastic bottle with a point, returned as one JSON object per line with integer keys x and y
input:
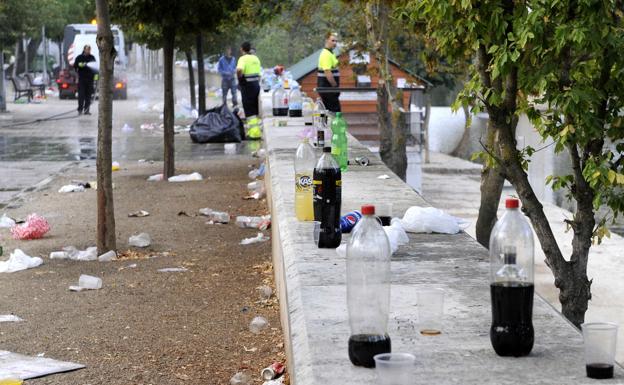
{"x": 295, "y": 103}
{"x": 339, "y": 141}
{"x": 368, "y": 289}
{"x": 279, "y": 108}
{"x": 308, "y": 110}
{"x": 511, "y": 283}
{"x": 327, "y": 190}
{"x": 305, "y": 160}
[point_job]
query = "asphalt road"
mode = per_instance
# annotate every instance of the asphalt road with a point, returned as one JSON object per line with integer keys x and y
{"x": 39, "y": 140}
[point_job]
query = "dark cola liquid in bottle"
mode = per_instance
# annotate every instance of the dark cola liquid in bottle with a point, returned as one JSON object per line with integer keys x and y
{"x": 327, "y": 190}
{"x": 368, "y": 289}
{"x": 511, "y": 283}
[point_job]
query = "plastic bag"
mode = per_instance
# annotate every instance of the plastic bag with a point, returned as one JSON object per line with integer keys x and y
{"x": 6, "y": 222}
{"x": 140, "y": 240}
{"x": 70, "y": 188}
{"x": 217, "y": 125}
{"x": 18, "y": 260}
{"x": 396, "y": 235}
{"x": 186, "y": 177}
{"x": 431, "y": 220}
{"x": 35, "y": 227}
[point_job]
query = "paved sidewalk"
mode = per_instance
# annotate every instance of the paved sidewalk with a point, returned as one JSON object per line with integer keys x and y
{"x": 452, "y": 184}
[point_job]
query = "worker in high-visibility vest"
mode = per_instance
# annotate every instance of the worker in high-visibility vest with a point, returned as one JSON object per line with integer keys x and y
{"x": 248, "y": 73}
{"x": 328, "y": 74}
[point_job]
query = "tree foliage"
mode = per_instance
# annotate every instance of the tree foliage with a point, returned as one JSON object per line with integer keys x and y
{"x": 559, "y": 63}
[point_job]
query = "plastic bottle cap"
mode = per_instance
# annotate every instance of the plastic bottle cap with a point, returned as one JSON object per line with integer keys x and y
{"x": 368, "y": 210}
{"x": 512, "y": 203}
{"x": 326, "y": 149}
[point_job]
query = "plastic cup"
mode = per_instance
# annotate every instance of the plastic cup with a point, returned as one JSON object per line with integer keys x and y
{"x": 316, "y": 229}
{"x": 394, "y": 368}
{"x": 384, "y": 212}
{"x": 90, "y": 282}
{"x": 599, "y": 339}
{"x": 430, "y": 311}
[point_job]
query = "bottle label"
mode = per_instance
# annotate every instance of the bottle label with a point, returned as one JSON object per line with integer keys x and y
{"x": 303, "y": 183}
{"x": 335, "y": 151}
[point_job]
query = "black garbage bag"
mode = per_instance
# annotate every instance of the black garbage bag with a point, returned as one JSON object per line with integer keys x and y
{"x": 217, "y": 125}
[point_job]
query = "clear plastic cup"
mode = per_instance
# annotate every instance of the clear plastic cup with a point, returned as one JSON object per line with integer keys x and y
{"x": 316, "y": 229}
{"x": 90, "y": 282}
{"x": 394, "y": 368}
{"x": 384, "y": 212}
{"x": 430, "y": 311}
{"x": 599, "y": 339}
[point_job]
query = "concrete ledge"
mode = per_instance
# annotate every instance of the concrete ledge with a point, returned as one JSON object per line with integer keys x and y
{"x": 312, "y": 291}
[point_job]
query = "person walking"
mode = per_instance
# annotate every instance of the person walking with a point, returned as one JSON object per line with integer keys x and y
{"x": 248, "y": 73}
{"x": 227, "y": 70}
{"x": 328, "y": 74}
{"x": 85, "y": 79}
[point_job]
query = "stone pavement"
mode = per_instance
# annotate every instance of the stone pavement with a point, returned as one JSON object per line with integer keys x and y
{"x": 452, "y": 184}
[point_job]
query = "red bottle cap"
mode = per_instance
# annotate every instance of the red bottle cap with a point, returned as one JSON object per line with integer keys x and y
{"x": 368, "y": 210}
{"x": 512, "y": 203}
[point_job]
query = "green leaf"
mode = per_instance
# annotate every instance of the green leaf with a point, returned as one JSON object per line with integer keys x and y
{"x": 611, "y": 176}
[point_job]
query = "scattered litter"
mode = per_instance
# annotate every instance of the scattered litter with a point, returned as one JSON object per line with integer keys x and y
{"x": 87, "y": 282}
{"x": 18, "y": 260}
{"x": 59, "y": 255}
{"x": 25, "y": 367}
{"x": 265, "y": 292}
{"x": 257, "y": 239}
{"x": 257, "y": 172}
{"x": 173, "y": 270}
{"x": 384, "y": 176}
{"x": 132, "y": 254}
{"x": 130, "y": 266}
{"x": 108, "y": 256}
{"x": 258, "y": 324}
{"x": 10, "y": 318}
{"x": 277, "y": 381}
{"x": 139, "y": 214}
{"x": 185, "y": 214}
{"x": 215, "y": 216}
{"x": 70, "y": 188}
{"x": 148, "y": 126}
{"x": 260, "y": 223}
{"x": 261, "y": 153}
{"x": 186, "y": 177}
{"x": 84, "y": 184}
{"x": 140, "y": 240}
{"x": 155, "y": 178}
{"x": 396, "y": 235}
{"x": 127, "y": 128}
{"x": 240, "y": 378}
{"x": 88, "y": 254}
{"x": 40, "y": 354}
{"x": 116, "y": 166}
{"x": 252, "y": 350}
{"x": 272, "y": 371}
{"x": 431, "y": 220}
{"x": 256, "y": 190}
{"x": 6, "y": 222}
{"x": 35, "y": 227}
{"x": 229, "y": 148}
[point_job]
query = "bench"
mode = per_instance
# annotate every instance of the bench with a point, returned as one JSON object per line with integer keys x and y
{"x": 21, "y": 89}
{"x": 35, "y": 87}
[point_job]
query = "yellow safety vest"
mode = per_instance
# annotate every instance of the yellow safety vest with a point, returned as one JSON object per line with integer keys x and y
{"x": 328, "y": 61}
{"x": 250, "y": 66}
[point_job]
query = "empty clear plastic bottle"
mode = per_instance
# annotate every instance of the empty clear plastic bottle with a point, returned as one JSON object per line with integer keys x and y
{"x": 511, "y": 283}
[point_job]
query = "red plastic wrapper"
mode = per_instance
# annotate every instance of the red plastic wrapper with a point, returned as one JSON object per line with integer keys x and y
{"x": 35, "y": 227}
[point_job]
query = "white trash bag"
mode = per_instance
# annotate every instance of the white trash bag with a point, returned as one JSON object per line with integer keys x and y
{"x": 431, "y": 220}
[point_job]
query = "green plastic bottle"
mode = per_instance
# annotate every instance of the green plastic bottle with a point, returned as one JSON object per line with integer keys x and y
{"x": 339, "y": 141}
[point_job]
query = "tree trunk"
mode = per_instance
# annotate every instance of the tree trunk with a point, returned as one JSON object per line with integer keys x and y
{"x": 201, "y": 75}
{"x": 189, "y": 59}
{"x": 169, "y": 145}
{"x": 492, "y": 181}
{"x": 106, "y": 213}
{"x": 2, "y": 85}
{"x": 392, "y": 127}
